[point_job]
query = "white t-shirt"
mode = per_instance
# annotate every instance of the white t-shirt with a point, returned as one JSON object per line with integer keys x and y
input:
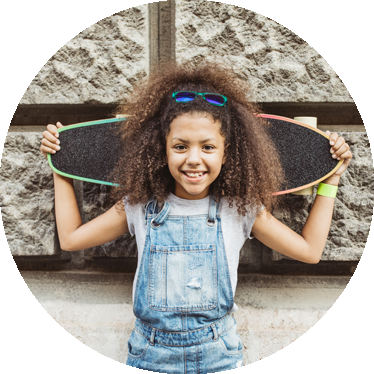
{"x": 236, "y": 229}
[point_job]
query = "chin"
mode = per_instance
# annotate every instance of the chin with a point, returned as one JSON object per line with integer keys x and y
{"x": 189, "y": 192}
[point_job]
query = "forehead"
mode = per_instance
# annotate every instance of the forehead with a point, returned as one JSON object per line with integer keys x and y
{"x": 195, "y": 123}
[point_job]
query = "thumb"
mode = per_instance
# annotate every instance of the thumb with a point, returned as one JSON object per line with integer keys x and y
{"x": 59, "y": 125}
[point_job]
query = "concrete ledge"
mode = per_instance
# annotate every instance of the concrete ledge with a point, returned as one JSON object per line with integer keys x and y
{"x": 80, "y": 322}
{"x": 338, "y": 113}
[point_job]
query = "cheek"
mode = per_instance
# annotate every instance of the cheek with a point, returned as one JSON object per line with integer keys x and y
{"x": 173, "y": 162}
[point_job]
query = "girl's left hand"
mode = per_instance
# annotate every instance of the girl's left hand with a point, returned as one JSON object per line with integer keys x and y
{"x": 340, "y": 151}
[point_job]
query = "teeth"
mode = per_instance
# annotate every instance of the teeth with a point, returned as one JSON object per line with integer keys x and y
{"x": 194, "y": 175}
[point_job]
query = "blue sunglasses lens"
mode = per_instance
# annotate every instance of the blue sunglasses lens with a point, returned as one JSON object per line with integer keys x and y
{"x": 184, "y": 97}
{"x": 214, "y": 99}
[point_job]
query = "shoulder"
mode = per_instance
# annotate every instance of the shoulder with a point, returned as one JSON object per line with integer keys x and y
{"x": 132, "y": 207}
{"x": 231, "y": 217}
{"x": 232, "y": 211}
{"x": 135, "y": 214}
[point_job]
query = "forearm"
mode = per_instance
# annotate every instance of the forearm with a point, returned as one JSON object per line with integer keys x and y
{"x": 306, "y": 247}
{"x": 68, "y": 218}
{"x": 317, "y": 226}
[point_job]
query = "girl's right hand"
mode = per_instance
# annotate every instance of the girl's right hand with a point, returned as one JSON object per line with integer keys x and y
{"x": 50, "y": 143}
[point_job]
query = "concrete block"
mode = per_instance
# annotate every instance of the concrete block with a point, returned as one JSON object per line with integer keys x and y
{"x": 27, "y": 196}
{"x": 95, "y": 202}
{"x": 297, "y": 325}
{"x": 353, "y": 206}
{"x": 79, "y": 322}
{"x": 98, "y": 66}
{"x": 54, "y": 325}
{"x": 281, "y": 66}
{"x": 349, "y": 228}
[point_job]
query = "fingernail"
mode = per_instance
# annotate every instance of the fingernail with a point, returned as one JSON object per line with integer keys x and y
{"x": 57, "y": 147}
{"x": 57, "y": 142}
{"x": 331, "y": 150}
{"x": 56, "y": 135}
{"x": 334, "y": 156}
{"x": 332, "y": 142}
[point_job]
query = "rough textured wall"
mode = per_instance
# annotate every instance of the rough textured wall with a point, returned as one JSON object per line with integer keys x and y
{"x": 281, "y": 66}
{"x": 351, "y": 235}
{"x": 353, "y": 208}
{"x": 99, "y": 65}
{"x": 27, "y": 204}
{"x": 27, "y": 196}
{"x": 95, "y": 202}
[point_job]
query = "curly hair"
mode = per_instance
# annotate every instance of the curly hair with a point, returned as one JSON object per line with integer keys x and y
{"x": 252, "y": 170}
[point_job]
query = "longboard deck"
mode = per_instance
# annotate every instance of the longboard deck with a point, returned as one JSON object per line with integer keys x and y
{"x": 90, "y": 151}
{"x": 304, "y": 152}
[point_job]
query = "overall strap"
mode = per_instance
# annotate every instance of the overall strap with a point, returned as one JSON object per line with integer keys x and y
{"x": 161, "y": 217}
{"x": 213, "y": 210}
{"x": 151, "y": 207}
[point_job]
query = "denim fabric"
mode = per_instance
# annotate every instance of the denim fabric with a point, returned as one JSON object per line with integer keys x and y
{"x": 183, "y": 296}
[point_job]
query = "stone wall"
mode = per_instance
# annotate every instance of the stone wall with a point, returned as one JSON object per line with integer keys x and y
{"x": 84, "y": 81}
{"x": 95, "y": 202}
{"x": 280, "y": 65}
{"x": 74, "y": 51}
{"x": 98, "y": 66}
{"x": 28, "y": 205}
{"x": 27, "y": 196}
{"x": 104, "y": 61}
{"x": 353, "y": 206}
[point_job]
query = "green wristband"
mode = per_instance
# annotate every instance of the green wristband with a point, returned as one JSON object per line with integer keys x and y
{"x": 327, "y": 190}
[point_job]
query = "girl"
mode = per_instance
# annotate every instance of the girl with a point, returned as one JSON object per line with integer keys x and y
{"x": 198, "y": 170}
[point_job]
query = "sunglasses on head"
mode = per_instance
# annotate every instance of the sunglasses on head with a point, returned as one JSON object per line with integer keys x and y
{"x": 211, "y": 98}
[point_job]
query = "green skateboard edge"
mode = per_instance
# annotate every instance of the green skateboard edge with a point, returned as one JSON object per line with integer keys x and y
{"x": 83, "y": 124}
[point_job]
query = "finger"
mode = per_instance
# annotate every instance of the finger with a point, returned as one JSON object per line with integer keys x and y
{"x": 346, "y": 156}
{"x": 338, "y": 143}
{"x": 49, "y": 144}
{"x": 46, "y": 150}
{"x": 333, "y": 137}
{"x": 50, "y": 137}
{"x": 59, "y": 125}
{"x": 341, "y": 150}
{"x": 53, "y": 130}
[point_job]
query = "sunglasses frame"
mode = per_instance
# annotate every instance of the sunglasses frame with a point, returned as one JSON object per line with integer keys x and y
{"x": 203, "y": 96}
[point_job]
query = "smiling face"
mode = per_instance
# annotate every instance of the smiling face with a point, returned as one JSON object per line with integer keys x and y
{"x": 195, "y": 151}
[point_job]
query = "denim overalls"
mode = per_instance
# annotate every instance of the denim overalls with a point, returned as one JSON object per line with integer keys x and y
{"x": 183, "y": 296}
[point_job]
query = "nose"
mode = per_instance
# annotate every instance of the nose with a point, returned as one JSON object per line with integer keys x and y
{"x": 194, "y": 157}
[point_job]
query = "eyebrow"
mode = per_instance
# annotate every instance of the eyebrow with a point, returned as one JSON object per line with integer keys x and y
{"x": 186, "y": 141}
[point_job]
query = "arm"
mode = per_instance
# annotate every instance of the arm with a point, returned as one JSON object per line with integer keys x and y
{"x": 308, "y": 246}
{"x": 73, "y": 234}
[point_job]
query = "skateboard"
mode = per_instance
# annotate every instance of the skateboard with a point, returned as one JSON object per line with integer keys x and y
{"x": 90, "y": 151}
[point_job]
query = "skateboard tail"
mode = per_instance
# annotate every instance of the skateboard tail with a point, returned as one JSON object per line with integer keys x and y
{"x": 310, "y": 184}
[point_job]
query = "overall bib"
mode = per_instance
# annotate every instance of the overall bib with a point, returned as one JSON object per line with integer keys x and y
{"x": 183, "y": 296}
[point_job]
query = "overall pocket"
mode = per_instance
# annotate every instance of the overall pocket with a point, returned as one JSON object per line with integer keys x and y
{"x": 182, "y": 278}
{"x": 231, "y": 342}
{"x": 137, "y": 345}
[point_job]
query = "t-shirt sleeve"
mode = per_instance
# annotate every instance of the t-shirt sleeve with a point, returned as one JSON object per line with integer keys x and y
{"x": 249, "y": 221}
{"x": 129, "y": 216}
